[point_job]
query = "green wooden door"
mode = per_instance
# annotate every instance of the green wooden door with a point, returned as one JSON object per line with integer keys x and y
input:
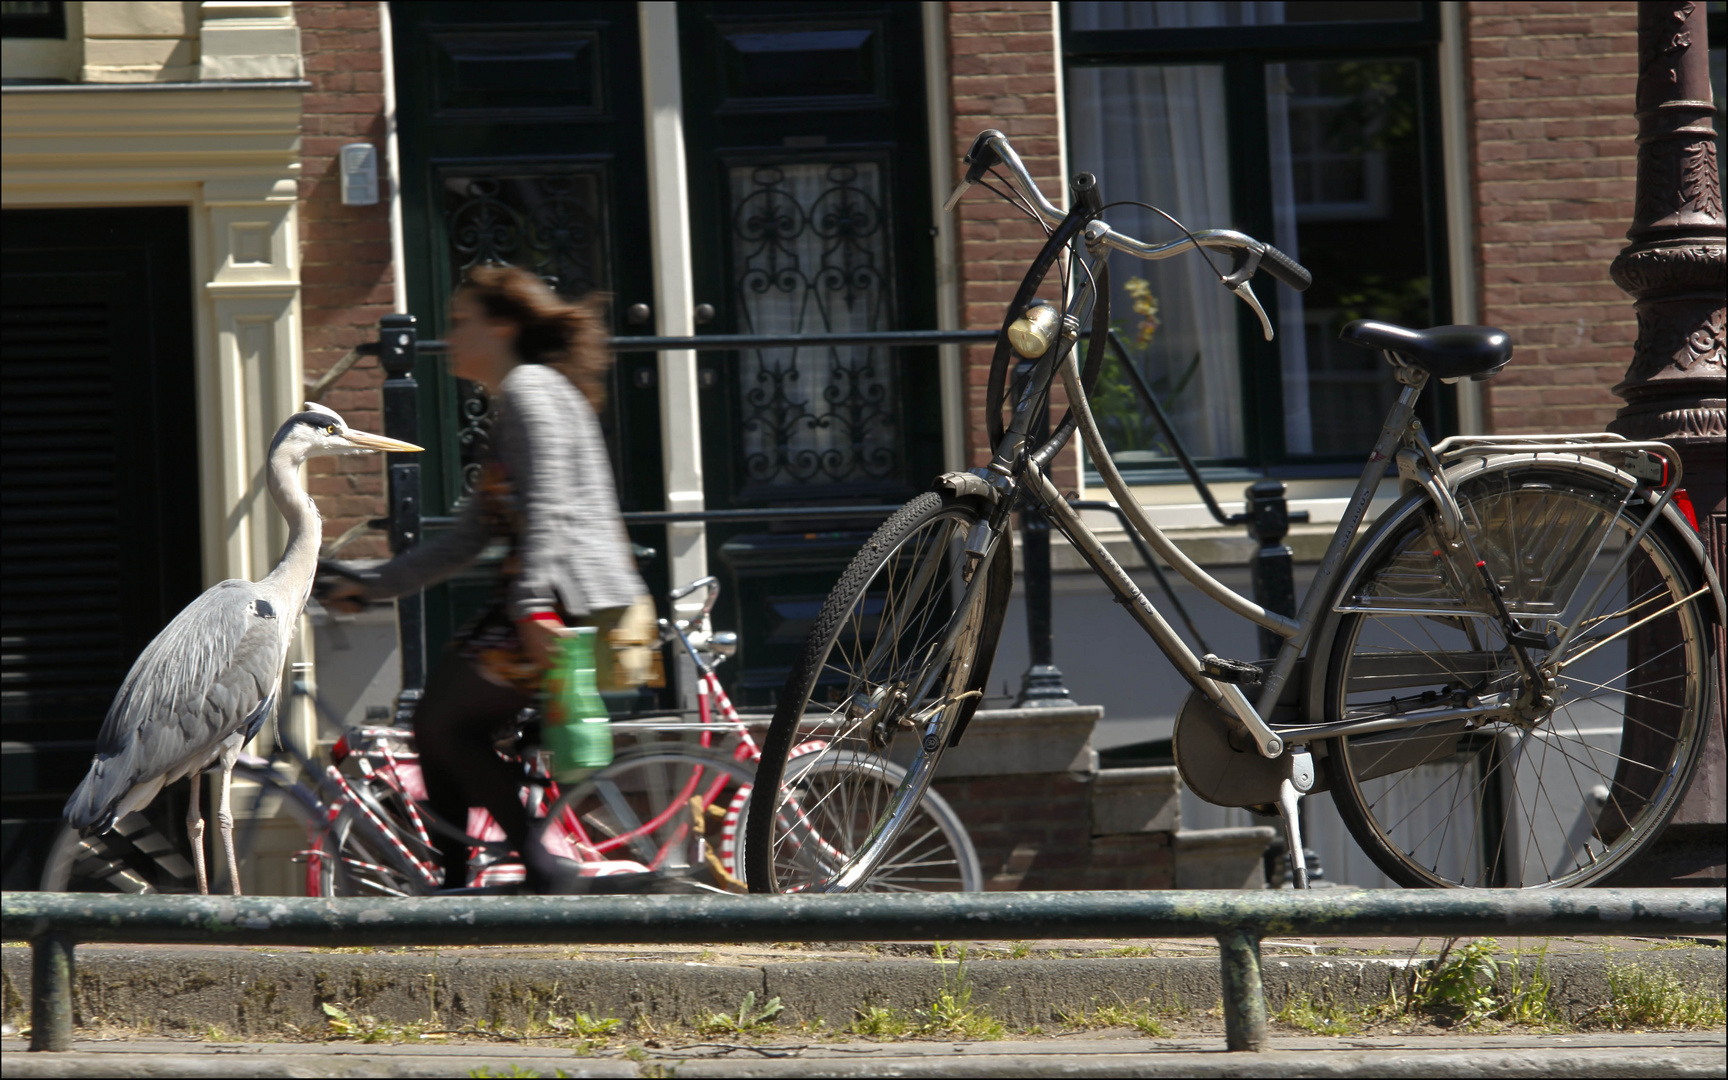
{"x": 809, "y": 182}
{"x": 521, "y": 130}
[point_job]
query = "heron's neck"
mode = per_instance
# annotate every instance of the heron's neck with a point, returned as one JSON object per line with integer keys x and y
{"x": 293, "y": 575}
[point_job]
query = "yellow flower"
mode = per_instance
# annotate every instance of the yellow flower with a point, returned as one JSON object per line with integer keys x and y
{"x": 1146, "y": 305}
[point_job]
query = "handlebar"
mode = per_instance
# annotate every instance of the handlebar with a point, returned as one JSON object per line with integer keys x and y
{"x": 992, "y": 148}
{"x": 711, "y": 583}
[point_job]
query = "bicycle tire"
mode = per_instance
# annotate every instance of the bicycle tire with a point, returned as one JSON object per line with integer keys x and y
{"x": 871, "y": 651}
{"x": 363, "y": 861}
{"x": 1562, "y": 794}
{"x": 147, "y": 852}
{"x": 637, "y": 808}
{"x": 933, "y": 853}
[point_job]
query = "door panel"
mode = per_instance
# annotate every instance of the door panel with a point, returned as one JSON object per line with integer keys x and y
{"x": 810, "y": 206}
{"x": 522, "y": 142}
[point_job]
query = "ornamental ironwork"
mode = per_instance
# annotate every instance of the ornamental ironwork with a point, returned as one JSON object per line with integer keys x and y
{"x": 549, "y": 222}
{"x": 810, "y": 244}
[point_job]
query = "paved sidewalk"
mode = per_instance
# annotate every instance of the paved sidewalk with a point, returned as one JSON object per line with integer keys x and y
{"x": 1630, "y": 1055}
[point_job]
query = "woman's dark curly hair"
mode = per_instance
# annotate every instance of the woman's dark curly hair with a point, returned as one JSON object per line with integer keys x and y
{"x": 569, "y": 335}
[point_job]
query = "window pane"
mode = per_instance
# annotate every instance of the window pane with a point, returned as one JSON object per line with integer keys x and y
{"x": 1347, "y": 202}
{"x": 1156, "y": 134}
{"x": 1117, "y": 15}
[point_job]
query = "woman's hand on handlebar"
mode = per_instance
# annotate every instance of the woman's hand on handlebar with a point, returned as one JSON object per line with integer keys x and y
{"x": 343, "y": 595}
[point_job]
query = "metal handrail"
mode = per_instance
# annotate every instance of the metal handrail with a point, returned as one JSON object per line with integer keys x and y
{"x": 665, "y": 517}
{"x": 55, "y": 923}
{"x": 726, "y": 342}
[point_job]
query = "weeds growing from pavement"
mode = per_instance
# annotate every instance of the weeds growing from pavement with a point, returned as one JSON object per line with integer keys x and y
{"x": 1655, "y": 997}
{"x": 747, "y": 1020}
{"x": 1317, "y": 1018}
{"x": 1137, "y": 1016}
{"x": 876, "y": 1022}
{"x": 952, "y": 1014}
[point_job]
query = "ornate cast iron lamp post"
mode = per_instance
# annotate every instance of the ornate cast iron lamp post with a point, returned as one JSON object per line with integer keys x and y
{"x": 1674, "y": 388}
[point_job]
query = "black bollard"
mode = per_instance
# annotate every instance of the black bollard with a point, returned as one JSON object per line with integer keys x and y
{"x": 1271, "y": 569}
{"x": 398, "y": 352}
{"x": 1274, "y": 576}
{"x": 1041, "y": 686}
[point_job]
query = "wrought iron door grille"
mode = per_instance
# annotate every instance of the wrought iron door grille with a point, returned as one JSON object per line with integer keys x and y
{"x": 811, "y": 247}
{"x": 549, "y": 220}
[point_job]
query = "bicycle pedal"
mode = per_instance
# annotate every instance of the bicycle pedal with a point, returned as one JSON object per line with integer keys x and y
{"x": 1240, "y": 672}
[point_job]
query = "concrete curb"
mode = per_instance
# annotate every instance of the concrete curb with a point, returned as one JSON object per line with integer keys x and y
{"x": 249, "y": 993}
{"x": 1591, "y": 1056}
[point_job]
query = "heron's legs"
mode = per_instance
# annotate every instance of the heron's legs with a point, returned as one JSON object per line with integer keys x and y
{"x": 195, "y": 829}
{"x": 225, "y": 823}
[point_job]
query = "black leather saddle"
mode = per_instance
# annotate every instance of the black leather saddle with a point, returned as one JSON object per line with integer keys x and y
{"x": 1445, "y": 352}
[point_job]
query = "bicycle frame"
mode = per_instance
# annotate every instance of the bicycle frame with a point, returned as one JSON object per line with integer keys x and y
{"x": 1017, "y": 468}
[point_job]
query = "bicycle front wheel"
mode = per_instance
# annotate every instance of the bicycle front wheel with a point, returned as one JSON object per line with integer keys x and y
{"x": 892, "y": 670}
{"x": 638, "y": 809}
{"x": 1578, "y": 768}
{"x": 373, "y": 846}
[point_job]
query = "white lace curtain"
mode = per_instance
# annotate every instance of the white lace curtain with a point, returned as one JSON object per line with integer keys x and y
{"x": 1159, "y": 134}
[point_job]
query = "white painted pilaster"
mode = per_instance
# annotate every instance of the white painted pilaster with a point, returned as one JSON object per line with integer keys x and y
{"x": 674, "y": 303}
{"x": 248, "y": 39}
{"x": 1460, "y": 207}
{"x": 940, "y": 119}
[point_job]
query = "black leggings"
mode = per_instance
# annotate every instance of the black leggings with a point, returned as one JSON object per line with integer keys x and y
{"x": 453, "y": 729}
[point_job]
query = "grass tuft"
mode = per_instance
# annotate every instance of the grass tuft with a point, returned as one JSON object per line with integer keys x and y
{"x": 1138, "y": 1016}
{"x": 1646, "y": 997}
{"x": 747, "y": 1020}
{"x": 1317, "y": 1018}
{"x": 876, "y": 1022}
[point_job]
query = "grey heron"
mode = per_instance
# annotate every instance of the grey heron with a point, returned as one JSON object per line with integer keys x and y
{"x": 208, "y": 682}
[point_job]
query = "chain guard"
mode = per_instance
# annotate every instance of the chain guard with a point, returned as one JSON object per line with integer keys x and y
{"x": 1218, "y": 760}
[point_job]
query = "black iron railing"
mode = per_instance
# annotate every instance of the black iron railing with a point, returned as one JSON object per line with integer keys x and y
{"x": 1268, "y": 517}
{"x": 56, "y": 923}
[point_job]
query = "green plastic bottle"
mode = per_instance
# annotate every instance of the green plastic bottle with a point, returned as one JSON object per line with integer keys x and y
{"x": 577, "y": 728}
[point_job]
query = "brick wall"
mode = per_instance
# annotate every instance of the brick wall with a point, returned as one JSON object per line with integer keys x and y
{"x": 1033, "y": 831}
{"x": 1002, "y": 63}
{"x": 346, "y": 277}
{"x": 1553, "y": 158}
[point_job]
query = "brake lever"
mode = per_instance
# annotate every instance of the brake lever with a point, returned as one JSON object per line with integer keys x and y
{"x": 954, "y": 199}
{"x": 978, "y": 159}
{"x": 1245, "y": 262}
{"x": 1247, "y": 294}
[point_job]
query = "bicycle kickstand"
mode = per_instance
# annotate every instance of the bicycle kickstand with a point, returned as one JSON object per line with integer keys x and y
{"x": 1290, "y": 791}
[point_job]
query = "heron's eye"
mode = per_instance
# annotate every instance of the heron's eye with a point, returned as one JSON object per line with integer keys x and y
{"x": 331, "y": 430}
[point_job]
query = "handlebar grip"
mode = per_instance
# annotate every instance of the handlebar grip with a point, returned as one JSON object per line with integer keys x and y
{"x": 1286, "y": 269}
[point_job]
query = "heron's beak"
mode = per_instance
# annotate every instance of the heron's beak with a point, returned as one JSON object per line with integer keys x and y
{"x": 362, "y": 440}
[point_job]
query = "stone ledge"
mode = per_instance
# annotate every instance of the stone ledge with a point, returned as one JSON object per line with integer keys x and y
{"x": 1014, "y": 742}
{"x": 1137, "y": 800}
{"x": 1222, "y": 858}
{"x": 1208, "y": 547}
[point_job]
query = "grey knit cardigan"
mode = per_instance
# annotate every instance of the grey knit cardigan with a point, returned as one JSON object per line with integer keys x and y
{"x": 574, "y": 552}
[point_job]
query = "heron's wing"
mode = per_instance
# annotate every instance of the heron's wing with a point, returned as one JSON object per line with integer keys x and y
{"x": 203, "y": 678}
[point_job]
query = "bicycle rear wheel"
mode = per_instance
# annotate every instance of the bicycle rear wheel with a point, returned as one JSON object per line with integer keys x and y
{"x": 1578, "y": 772}
{"x": 875, "y": 685}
